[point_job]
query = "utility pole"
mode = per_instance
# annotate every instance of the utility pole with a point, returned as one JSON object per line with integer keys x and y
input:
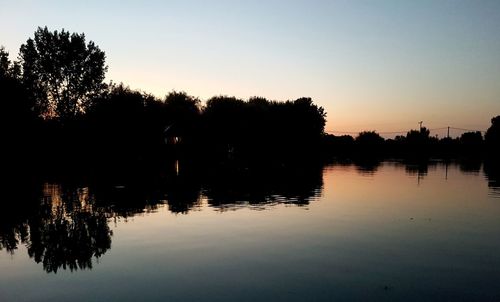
{"x": 420, "y": 125}
{"x": 448, "y": 135}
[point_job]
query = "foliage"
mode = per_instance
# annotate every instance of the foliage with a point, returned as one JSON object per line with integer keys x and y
{"x": 4, "y": 63}
{"x": 259, "y": 127}
{"x": 493, "y": 133}
{"x": 60, "y": 77}
{"x": 369, "y": 138}
{"x": 182, "y": 113}
{"x": 418, "y": 136}
{"x": 62, "y": 72}
{"x": 471, "y": 138}
{"x": 17, "y": 109}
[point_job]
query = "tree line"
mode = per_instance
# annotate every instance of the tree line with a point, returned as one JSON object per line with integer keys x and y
{"x": 56, "y": 105}
{"x": 417, "y": 143}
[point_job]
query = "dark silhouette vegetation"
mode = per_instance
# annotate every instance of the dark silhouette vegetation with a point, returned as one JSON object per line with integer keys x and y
{"x": 415, "y": 144}
{"x": 57, "y": 109}
{"x": 123, "y": 152}
{"x": 64, "y": 220}
{"x": 60, "y": 227}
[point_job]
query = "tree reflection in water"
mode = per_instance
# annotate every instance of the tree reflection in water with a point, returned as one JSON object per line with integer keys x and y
{"x": 66, "y": 231}
{"x": 67, "y": 226}
{"x": 259, "y": 188}
{"x": 492, "y": 173}
{"x": 69, "y": 230}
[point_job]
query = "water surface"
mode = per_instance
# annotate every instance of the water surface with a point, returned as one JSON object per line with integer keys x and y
{"x": 378, "y": 231}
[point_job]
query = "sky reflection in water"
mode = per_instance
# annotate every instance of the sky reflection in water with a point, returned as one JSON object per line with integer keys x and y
{"x": 351, "y": 232}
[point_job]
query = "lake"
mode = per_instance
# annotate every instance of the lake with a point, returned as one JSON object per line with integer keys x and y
{"x": 391, "y": 231}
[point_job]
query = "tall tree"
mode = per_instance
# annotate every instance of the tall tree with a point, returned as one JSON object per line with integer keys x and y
{"x": 493, "y": 134}
{"x": 4, "y": 63}
{"x": 62, "y": 72}
{"x": 15, "y": 104}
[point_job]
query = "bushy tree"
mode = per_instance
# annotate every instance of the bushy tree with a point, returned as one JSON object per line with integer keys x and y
{"x": 369, "y": 138}
{"x": 471, "y": 138}
{"x": 62, "y": 72}
{"x": 224, "y": 119}
{"x": 493, "y": 133}
{"x": 418, "y": 136}
{"x": 182, "y": 113}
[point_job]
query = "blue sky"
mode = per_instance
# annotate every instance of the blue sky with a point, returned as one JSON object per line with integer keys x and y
{"x": 374, "y": 65}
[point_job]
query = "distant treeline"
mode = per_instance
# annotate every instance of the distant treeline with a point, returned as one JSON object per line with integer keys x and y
{"x": 417, "y": 143}
{"x": 56, "y": 105}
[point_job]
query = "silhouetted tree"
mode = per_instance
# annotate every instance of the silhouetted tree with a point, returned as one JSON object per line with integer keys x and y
{"x": 342, "y": 145}
{"x": 492, "y": 136}
{"x": 302, "y": 125}
{"x": 418, "y": 136}
{"x": 224, "y": 122}
{"x": 368, "y": 144}
{"x": 471, "y": 141}
{"x": 369, "y": 138}
{"x": 4, "y": 63}
{"x": 17, "y": 118}
{"x": 182, "y": 107}
{"x": 471, "y": 137}
{"x": 13, "y": 97}
{"x": 11, "y": 89}
{"x": 259, "y": 127}
{"x": 419, "y": 143}
{"x": 116, "y": 123}
{"x": 182, "y": 113}
{"x": 62, "y": 72}
{"x": 310, "y": 117}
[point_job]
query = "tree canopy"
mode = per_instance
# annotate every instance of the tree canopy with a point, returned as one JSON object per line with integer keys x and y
{"x": 493, "y": 134}
{"x": 62, "y": 72}
{"x": 60, "y": 78}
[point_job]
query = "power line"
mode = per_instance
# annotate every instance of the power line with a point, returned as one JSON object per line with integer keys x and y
{"x": 471, "y": 130}
{"x": 404, "y": 131}
{"x": 357, "y": 132}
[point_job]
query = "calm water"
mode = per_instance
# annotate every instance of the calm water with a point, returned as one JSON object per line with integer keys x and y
{"x": 385, "y": 231}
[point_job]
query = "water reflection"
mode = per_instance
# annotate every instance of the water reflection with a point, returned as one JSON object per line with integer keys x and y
{"x": 260, "y": 188}
{"x": 492, "y": 173}
{"x": 65, "y": 231}
{"x": 470, "y": 166}
{"x": 68, "y": 231}
{"x": 66, "y": 226}
{"x": 364, "y": 166}
{"x": 418, "y": 169}
{"x": 367, "y": 166}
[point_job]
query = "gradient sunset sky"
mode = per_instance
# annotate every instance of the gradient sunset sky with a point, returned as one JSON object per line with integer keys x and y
{"x": 373, "y": 65}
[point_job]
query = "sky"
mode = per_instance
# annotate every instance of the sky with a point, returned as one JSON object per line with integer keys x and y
{"x": 373, "y": 65}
